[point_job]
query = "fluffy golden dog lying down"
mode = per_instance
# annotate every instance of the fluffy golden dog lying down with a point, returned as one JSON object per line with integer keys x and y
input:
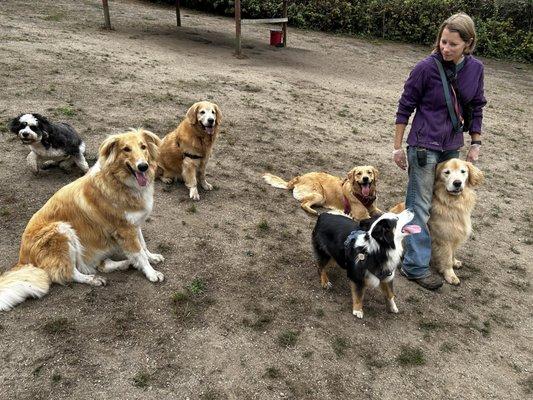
{"x": 95, "y": 217}
{"x": 450, "y": 216}
{"x": 355, "y": 194}
{"x": 185, "y": 151}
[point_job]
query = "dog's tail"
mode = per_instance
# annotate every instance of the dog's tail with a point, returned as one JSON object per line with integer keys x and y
{"x": 21, "y": 282}
{"x": 280, "y": 183}
{"x": 397, "y": 208}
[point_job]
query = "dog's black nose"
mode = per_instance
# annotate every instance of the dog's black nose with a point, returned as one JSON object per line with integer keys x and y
{"x": 143, "y": 167}
{"x": 365, "y": 179}
{"x": 25, "y": 134}
{"x": 457, "y": 184}
{"x": 211, "y": 121}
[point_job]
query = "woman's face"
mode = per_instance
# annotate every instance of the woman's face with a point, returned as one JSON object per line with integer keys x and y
{"x": 451, "y": 46}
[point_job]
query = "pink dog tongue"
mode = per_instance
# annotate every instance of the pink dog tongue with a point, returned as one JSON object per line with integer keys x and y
{"x": 141, "y": 178}
{"x": 410, "y": 229}
{"x": 365, "y": 190}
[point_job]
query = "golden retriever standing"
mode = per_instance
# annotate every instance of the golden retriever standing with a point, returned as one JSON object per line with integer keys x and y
{"x": 449, "y": 221}
{"x": 355, "y": 194}
{"x": 185, "y": 151}
{"x": 89, "y": 220}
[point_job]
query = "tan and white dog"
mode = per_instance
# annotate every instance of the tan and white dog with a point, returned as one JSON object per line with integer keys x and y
{"x": 89, "y": 220}
{"x": 185, "y": 152}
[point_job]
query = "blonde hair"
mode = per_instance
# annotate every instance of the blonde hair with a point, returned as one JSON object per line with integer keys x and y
{"x": 464, "y": 26}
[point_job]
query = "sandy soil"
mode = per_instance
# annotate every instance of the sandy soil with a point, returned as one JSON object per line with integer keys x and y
{"x": 241, "y": 314}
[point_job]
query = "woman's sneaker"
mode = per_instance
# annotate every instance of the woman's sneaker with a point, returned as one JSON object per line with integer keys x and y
{"x": 430, "y": 282}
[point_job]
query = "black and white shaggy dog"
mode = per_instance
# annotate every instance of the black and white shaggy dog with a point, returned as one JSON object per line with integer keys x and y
{"x": 50, "y": 143}
{"x": 369, "y": 257}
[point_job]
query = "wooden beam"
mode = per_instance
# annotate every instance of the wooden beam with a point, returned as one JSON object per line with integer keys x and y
{"x": 178, "y": 16}
{"x": 238, "y": 27}
{"x": 107, "y": 19}
{"x": 264, "y": 21}
{"x": 284, "y": 25}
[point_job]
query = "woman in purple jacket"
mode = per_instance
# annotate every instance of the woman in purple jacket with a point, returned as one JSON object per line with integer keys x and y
{"x": 436, "y": 133}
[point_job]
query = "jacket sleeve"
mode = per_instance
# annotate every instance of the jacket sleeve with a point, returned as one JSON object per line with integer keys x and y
{"x": 478, "y": 102}
{"x": 412, "y": 93}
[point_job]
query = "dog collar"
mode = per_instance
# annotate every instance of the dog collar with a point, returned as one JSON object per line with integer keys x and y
{"x": 347, "y": 206}
{"x": 365, "y": 200}
{"x": 193, "y": 156}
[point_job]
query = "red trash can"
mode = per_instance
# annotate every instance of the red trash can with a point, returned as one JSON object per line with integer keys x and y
{"x": 276, "y": 37}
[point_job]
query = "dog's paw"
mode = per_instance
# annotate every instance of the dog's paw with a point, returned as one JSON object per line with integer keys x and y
{"x": 154, "y": 258}
{"x": 392, "y": 306}
{"x": 206, "y": 185}
{"x": 327, "y": 285}
{"x": 457, "y": 263}
{"x": 358, "y": 313}
{"x": 193, "y": 193}
{"x": 98, "y": 281}
{"x": 166, "y": 180}
{"x": 451, "y": 278}
{"x": 155, "y": 276}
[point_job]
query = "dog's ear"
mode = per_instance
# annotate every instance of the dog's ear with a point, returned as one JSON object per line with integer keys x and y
{"x": 351, "y": 174}
{"x": 14, "y": 125}
{"x": 219, "y": 114}
{"x": 45, "y": 124}
{"x": 475, "y": 176}
{"x": 383, "y": 233}
{"x": 192, "y": 113}
{"x": 153, "y": 142}
{"x": 376, "y": 173}
{"x": 108, "y": 150}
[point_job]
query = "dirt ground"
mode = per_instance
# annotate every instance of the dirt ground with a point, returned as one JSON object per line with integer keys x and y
{"x": 241, "y": 314}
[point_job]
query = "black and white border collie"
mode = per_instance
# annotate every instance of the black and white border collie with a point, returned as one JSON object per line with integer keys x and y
{"x": 370, "y": 257}
{"x": 50, "y": 143}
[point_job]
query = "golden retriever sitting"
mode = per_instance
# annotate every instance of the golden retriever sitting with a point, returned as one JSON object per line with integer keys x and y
{"x": 449, "y": 221}
{"x": 355, "y": 194}
{"x": 97, "y": 216}
{"x": 185, "y": 151}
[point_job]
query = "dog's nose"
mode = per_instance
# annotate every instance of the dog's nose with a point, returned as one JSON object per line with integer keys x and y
{"x": 210, "y": 121}
{"x": 143, "y": 167}
{"x": 457, "y": 183}
{"x": 365, "y": 179}
{"x": 25, "y": 134}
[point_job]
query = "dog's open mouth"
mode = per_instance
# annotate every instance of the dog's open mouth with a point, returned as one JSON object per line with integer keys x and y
{"x": 365, "y": 188}
{"x": 456, "y": 191}
{"x": 140, "y": 177}
{"x": 209, "y": 129}
{"x": 27, "y": 141}
{"x": 411, "y": 229}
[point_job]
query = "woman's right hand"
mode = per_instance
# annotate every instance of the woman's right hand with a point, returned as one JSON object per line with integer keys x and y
{"x": 399, "y": 158}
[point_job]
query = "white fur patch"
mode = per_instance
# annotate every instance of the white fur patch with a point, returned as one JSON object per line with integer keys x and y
{"x": 50, "y": 153}
{"x": 17, "y": 285}
{"x": 29, "y": 119}
{"x": 138, "y": 217}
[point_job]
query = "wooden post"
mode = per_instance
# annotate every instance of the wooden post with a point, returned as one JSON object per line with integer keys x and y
{"x": 284, "y": 25}
{"x": 178, "y": 16}
{"x": 238, "y": 27}
{"x": 106, "y": 14}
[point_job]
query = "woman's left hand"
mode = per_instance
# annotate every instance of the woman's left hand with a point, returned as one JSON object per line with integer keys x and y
{"x": 473, "y": 153}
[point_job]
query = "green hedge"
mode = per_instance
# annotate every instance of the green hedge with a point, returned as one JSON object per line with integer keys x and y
{"x": 503, "y": 26}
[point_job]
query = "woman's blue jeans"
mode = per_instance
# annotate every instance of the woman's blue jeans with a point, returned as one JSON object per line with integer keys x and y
{"x": 418, "y": 199}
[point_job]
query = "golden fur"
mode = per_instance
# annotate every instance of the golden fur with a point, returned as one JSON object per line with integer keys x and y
{"x": 89, "y": 220}
{"x": 193, "y": 137}
{"x": 321, "y": 189}
{"x": 449, "y": 221}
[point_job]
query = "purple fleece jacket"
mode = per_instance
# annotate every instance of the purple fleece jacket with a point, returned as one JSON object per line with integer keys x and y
{"x": 432, "y": 126}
